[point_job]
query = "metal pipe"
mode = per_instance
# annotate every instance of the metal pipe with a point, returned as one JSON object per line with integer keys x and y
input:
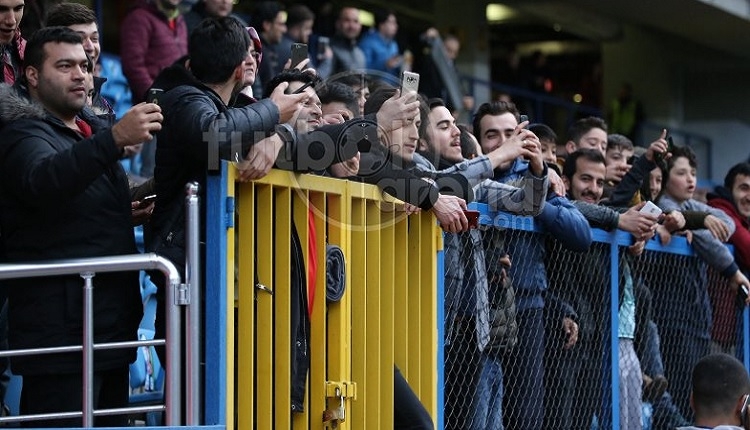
{"x": 173, "y": 383}
{"x": 119, "y": 263}
{"x": 77, "y": 414}
{"x": 79, "y": 348}
{"x": 88, "y": 349}
{"x": 194, "y": 314}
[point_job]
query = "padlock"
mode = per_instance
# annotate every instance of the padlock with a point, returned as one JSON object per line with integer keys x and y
{"x": 336, "y": 414}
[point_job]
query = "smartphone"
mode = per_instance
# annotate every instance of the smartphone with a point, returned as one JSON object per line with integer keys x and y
{"x": 153, "y": 95}
{"x": 147, "y": 200}
{"x": 473, "y": 217}
{"x": 409, "y": 82}
{"x": 659, "y": 157}
{"x": 651, "y": 208}
{"x": 744, "y": 411}
{"x": 298, "y": 54}
{"x": 323, "y": 44}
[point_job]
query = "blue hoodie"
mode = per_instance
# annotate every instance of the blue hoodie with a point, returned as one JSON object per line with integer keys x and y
{"x": 560, "y": 219}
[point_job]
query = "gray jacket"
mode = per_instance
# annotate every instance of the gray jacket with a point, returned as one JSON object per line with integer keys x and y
{"x": 466, "y": 286}
{"x": 711, "y": 250}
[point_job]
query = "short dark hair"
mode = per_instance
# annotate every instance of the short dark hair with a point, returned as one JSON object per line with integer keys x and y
{"x": 378, "y": 97}
{"x": 468, "y": 147}
{"x": 297, "y": 14}
{"x": 618, "y": 141}
{"x": 677, "y": 152}
{"x": 583, "y": 126}
{"x": 425, "y": 107}
{"x": 352, "y": 79}
{"x": 265, "y": 11}
{"x": 719, "y": 381}
{"x": 67, "y": 14}
{"x": 292, "y": 75}
{"x": 216, "y": 47}
{"x": 381, "y": 15}
{"x": 588, "y": 154}
{"x": 342, "y": 93}
{"x": 543, "y": 132}
{"x": 34, "y": 55}
{"x": 734, "y": 171}
{"x": 494, "y": 108}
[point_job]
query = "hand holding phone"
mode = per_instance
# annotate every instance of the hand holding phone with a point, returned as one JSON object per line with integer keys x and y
{"x": 153, "y": 95}
{"x": 659, "y": 156}
{"x": 144, "y": 202}
{"x": 473, "y": 217}
{"x": 409, "y": 82}
{"x": 651, "y": 208}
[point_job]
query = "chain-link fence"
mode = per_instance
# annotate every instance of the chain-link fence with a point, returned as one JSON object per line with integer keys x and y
{"x": 529, "y": 337}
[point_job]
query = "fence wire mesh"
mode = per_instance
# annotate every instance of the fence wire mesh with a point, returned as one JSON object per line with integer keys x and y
{"x": 528, "y": 333}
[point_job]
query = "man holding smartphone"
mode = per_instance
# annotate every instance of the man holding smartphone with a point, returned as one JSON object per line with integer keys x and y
{"x": 64, "y": 195}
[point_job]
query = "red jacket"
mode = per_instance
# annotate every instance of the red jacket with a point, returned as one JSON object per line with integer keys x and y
{"x": 149, "y": 42}
{"x": 741, "y": 237}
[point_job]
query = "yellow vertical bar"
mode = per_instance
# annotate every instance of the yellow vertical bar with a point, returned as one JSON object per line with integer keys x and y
{"x": 245, "y": 303}
{"x": 374, "y": 336}
{"x": 387, "y": 294}
{"x": 432, "y": 238}
{"x": 263, "y": 322}
{"x": 339, "y": 314}
{"x": 416, "y": 278}
{"x": 231, "y": 296}
{"x": 401, "y": 287}
{"x": 359, "y": 333}
{"x": 281, "y": 319}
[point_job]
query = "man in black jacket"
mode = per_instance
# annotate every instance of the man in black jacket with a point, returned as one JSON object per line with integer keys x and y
{"x": 64, "y": 195}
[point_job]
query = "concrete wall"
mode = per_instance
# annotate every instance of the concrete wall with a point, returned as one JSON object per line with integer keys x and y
{"x": 683, "y": 85}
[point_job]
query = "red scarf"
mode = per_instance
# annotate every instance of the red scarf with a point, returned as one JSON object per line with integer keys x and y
{"x": 84, "y": 128}
{"x": 9, "y": 71}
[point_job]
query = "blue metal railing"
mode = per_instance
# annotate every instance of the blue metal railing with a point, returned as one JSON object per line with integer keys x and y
{"x": 616, "y": 239}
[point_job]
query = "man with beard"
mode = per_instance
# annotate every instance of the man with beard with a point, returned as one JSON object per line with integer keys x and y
{"x": 64, "y": 195}
{"x": 472, "y": 323}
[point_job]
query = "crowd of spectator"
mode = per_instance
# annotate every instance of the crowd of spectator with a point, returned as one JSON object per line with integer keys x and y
{"x": 525, "y": 335}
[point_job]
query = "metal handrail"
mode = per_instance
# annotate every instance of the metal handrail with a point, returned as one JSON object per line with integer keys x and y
{"x": 86, "y": 268}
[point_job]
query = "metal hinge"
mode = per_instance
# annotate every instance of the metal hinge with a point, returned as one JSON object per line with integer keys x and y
{"x": 182, "y": 296}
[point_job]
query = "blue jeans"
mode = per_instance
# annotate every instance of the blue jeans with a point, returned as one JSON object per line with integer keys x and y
{"x": 651, "y": 362}
{"x": 488, "y": 397}
{"x": 524, "y": 374}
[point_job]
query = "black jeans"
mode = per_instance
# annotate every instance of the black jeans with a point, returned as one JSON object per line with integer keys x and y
{"x": 408, "y": 412}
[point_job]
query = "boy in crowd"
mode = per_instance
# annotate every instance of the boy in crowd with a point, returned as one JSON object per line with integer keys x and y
{"x": 685, "y": 323}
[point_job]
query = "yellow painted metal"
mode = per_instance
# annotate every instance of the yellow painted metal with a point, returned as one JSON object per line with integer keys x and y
{"x": 387, "y": 315}
{"x": 230, "y": 300}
